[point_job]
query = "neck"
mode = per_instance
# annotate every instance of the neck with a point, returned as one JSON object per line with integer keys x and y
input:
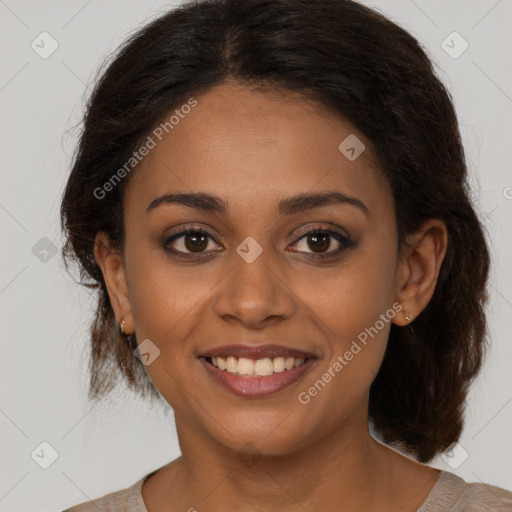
{"x": 341, "y": 471}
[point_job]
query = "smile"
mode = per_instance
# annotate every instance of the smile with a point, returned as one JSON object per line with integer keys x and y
{"x": 259, "y": 368}
{"x": 256, "y": 371}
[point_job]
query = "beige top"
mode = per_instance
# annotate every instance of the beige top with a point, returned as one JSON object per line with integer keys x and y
{"x": 450, "y": 494}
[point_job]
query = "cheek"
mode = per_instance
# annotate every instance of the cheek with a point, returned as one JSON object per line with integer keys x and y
{"x": 166, "y": 301}
{"x": 351, "y": 298}
{"x": 165, "y": 304}
{"x": 163, "y": 294}
{"x": 354, "y": 310}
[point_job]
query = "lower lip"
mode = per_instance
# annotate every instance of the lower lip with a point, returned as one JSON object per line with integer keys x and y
{"x": 256, "y": 386}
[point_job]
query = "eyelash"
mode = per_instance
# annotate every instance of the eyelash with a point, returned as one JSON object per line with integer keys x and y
{"x": 345, "y": 243}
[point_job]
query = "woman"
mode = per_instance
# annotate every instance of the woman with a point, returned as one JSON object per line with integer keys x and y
{"x": 282, "y": 257}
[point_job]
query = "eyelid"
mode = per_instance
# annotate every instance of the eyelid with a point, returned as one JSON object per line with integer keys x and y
{"x": 343, "y": 239}
{"x": 322, "y": 227}
{"x": 188, "y": 230}
{"x": 194, "y": 228}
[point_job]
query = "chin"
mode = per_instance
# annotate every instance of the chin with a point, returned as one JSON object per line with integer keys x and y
{"x": 261, "y": 434}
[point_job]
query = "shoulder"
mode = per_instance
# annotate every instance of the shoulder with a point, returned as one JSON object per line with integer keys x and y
{"x": 481, "y": 497}
{"x": 128, "y": 499}
{"x": 452, "y": 493}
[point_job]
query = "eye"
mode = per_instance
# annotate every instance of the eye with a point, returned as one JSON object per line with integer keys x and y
{"x": 319, "y": 241}
{"x": 192, "y": 242}
{"x": 189, "y": 241}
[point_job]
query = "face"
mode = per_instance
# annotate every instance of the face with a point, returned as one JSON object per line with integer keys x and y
{"x": 291, "y": 252}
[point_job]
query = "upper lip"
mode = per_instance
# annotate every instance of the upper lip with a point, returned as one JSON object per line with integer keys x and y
{"x": 256, "y": 351}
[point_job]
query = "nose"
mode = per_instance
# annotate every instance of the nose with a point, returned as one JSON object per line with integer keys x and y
{"x": 254, "y": 294}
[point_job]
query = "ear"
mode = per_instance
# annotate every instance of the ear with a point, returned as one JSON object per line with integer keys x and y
{"x": 418, "y": 269}
{"x": 112, "y": 267}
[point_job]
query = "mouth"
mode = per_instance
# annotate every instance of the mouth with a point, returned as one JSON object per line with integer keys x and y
{"x": 243, "y": 366}
{"x": 256, "y": 371}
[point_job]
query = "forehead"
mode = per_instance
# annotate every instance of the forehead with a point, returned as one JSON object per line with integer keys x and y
{"x": 252, "y": 146}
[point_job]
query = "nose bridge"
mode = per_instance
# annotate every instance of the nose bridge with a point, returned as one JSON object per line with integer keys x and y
{"x": 253, "y": 291}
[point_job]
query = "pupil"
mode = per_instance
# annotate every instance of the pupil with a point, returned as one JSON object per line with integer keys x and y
{"x": 198, "y": 241}
{"x": 320, "y": 241}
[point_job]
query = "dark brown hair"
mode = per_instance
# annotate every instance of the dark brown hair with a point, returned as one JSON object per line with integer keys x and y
{"x": 368, "y": 70}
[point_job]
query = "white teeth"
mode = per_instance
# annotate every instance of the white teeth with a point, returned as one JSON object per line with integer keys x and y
{"x": 259, "y": 368}
{"x": 299, "y": 362}
{"x": 264, "y": 367}
{"x": 232, "y": 364}
{"x": 245, "y": 366}
{"x": 278, "y": 364}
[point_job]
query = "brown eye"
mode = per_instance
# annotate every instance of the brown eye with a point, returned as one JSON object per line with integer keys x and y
{"x": 188, "y": 241}
{"x": 318, "y": 242}
{"x": 195, "y": 242}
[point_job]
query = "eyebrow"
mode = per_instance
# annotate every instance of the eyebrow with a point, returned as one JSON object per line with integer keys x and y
{"x": 289, "y": 206}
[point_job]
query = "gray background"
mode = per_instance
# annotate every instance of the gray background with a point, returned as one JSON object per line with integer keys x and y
{"x": 44, "y": 315}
